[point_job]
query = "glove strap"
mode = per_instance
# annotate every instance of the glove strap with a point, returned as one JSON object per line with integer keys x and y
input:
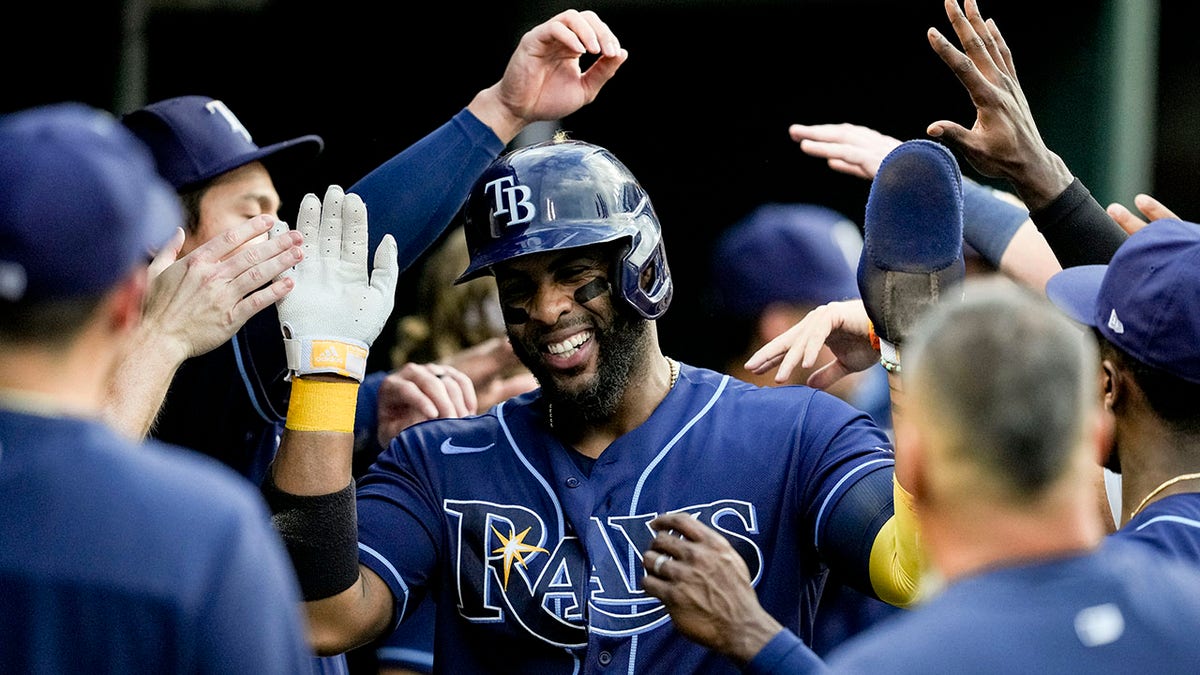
{"x": 338, "y": 356}
{"x": 889, "y": 356}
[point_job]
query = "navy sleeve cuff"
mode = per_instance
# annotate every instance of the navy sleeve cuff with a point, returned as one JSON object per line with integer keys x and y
{"x": 785, "y": 653}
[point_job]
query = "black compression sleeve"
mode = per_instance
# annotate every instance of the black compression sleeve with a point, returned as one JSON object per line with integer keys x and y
{"x": 1078, "y": 229}
{"x": 321, "y": 534}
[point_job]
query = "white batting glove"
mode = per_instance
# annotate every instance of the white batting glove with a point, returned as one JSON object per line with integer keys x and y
{"x": 336, "y": 311}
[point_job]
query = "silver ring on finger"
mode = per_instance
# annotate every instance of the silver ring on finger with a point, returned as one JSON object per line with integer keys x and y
{"x": 659, "y": 562}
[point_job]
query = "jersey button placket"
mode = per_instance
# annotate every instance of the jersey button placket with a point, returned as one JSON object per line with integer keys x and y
{"x": 572, "y": 482}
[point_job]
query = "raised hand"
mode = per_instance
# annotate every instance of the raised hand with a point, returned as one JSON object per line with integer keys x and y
{"x": 847, "y": 148}
{"x": 337, "y": 309}
{"x": 842, "y": 325}
{"x": 199, "y": 301}
{"x": 544, "y": 80}
{"x": 1004, "y": 142}
{"x": 193, "y": 305}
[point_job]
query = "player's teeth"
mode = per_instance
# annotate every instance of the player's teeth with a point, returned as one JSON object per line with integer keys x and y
{"x": 570, "y": 345}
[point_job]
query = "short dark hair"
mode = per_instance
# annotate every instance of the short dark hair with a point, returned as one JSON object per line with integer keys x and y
{"x": 191, "y": 198}
{"x": 1172, "y": 398}
{"x": 1010, "y": 378}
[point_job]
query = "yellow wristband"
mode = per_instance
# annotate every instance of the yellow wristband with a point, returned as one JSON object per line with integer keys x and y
{"x": 322, "y": 406}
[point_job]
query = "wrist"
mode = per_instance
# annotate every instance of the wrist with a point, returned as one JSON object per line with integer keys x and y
{"x": 488, "y": 107}
{"x": 1044, "y": 182}
{"x": 746, "y": 643}
{"x": 152, "y": 343}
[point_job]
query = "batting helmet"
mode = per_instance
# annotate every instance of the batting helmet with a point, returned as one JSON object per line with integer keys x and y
{"x": 564, "y": 194}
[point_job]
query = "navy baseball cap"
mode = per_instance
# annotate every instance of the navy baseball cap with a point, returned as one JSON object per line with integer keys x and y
{"x": 1146, "y": 300}
{"x": 195, "y": 138}
{"x": 802, "y": 254}
{"x": 80, "y": 203}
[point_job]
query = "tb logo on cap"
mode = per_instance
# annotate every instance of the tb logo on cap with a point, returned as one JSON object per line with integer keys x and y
{"x": 235, "y": 125}
{"x": 512, "y": 200}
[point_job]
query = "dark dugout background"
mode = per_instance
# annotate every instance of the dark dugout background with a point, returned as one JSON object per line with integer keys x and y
{"x": 699, "y": 112}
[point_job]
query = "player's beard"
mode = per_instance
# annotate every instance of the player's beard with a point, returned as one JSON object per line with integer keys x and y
{"x": 621, "y": 349}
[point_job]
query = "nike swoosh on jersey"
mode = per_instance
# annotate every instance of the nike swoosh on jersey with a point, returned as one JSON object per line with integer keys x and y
{"x": 449, "y": 448}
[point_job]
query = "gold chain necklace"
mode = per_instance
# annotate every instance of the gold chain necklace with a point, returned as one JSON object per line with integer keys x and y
{"x": 672, "y": 363}
{"x": 1166, "y": 484}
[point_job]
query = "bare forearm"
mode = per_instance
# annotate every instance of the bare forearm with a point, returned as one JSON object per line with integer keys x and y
{"x": 139, "y": 383}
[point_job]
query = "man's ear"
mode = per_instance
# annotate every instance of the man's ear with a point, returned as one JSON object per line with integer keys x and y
{"x": 124, "y": 305}
{"x": 1111, "y": 386}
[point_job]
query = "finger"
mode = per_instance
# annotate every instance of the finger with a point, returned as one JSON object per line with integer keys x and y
{"x": 561, "y": 33}
{"x": 354, "y": 231}
{"x": 387, "y": 268}
{"x": 657, "y": 562}
{"x": 259, "y": 300}
{"x": 437, "y": 387}
{"x": 980, "y": 27}
{"x": 168, "y": 254}
{"x": 329, "y": 240}
{"x": 584, "y": 25}
{"x": 600, "y": 72}
{"x": 951, "y": 132}
{"x": 1152, "y": 208}
{"x": 280, "y": 231}
{"x": 968, "y": 35}
{"x": 791, "y": 359}
{"x": 262, "y": 262}
{"x": 827, "y": 375}
{"x": 409, "y": 395}
{"x": 962, "y": 66}
{"x": 842, "y": 166}
{"x": 1002, "y": 48}
{"x": 461, "y": 391}
{"x": 308, "y": 224}
{"x": 221, "y": 246}
{"x": 1128, "y": 222}
{"x": 684, "y": 525}
{"x": 609, "y": 44}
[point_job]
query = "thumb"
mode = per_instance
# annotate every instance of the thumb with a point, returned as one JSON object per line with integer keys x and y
{"x": 946, "y": 130}
{"x": 827, "y": 374}
{"x": 167, "y": 255}
{"x": 387, "y": 268}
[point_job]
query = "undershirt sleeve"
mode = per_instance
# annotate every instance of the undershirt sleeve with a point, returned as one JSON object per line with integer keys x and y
{"x": 415, "y": 195}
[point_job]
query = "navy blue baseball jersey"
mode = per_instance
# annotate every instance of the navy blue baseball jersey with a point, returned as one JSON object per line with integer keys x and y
{"x": 534, "y": 557}
{"x": 1170, "y": 524}
{"x": 1122, "y": 610}
{"x": 124, "y": 558}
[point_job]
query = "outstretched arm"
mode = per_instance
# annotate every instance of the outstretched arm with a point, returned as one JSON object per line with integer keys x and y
{"x": 195, "y": 304}
{"x": 329, "y": 321}
{"x": 995, "y": 223}
{"x": 416, "y": 194}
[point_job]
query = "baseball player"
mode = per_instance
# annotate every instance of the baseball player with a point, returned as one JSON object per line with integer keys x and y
{"x": 1142, "y": 307}
{"x": 207, "y": 154}
{"x": 115, "y": 557}
{"x": 1002, "y": 436}
{"x": 528, "y": 522}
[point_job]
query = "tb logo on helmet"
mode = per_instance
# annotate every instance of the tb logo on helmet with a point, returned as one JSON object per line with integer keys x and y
{"x": 512, "y": 200}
